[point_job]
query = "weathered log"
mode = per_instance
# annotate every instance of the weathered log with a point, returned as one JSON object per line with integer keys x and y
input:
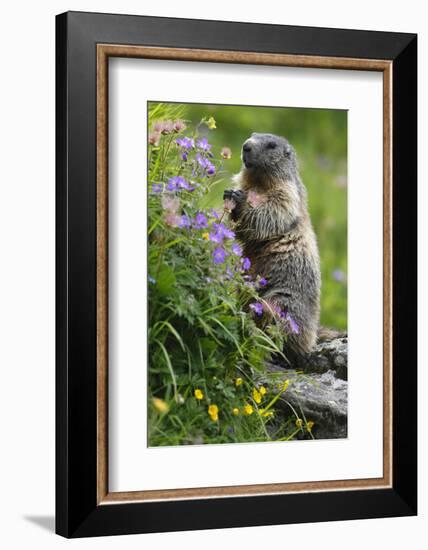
{"x": 318, "y": 388}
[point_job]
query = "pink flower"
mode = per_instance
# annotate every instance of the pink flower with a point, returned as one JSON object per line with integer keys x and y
{"x": 158, "y": 126}
{"x": 172, "y": 219}
{"x": 179, "y": 125}
{"x": 170, "y": 203}
{"x": 154, "y": 138}
{"x": 229, "y": 204}
{"x": 226, "y": 153}
{"x": 168, "y": 127}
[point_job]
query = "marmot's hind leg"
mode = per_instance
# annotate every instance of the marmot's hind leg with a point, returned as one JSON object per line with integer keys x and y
{"x": 326, "y": 334}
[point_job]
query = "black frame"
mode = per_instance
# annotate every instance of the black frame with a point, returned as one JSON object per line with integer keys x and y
{"x": 77, "y": 513}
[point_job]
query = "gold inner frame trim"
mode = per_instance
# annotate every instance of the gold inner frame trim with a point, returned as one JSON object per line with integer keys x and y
{"x": 104, "y": 51}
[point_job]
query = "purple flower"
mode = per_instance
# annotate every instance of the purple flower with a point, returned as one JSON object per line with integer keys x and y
{"x": 263, "y": 282}
{"x": 246, "y": 264}
{"x": 178, "y": 182}
{"x": 185, "y": 142}
{"x": 172, "y": 184}
{"x": 236, "y": 249}
{"x": 219, "y": 255}
{"x": 184, "y": 221}
{"x": 228, "y": 233}
{"x": 184, "y": 156}
{"x": 216, "y": 238}
{"x": 203, "y": 144}
{"x": 214, "y": 214}
{"x": 210, "y": 168}
{"x": 181, "y": 183}
{"x": 200, "y": 221}
{"x": 221, "y": 232}
{"x": 293, "y": 325}
{"x": 157, "y": 188}
{"x": 257, "y": 308}
{"x": 229, "y": 273}
{"x": 224, "y": 231}
{"x": 201, "y": 160}
{"x": 206, "y": 164}
{"x": 339, "y": 276}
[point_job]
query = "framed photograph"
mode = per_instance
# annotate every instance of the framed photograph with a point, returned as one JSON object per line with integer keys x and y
{"x": 236, "y": 274}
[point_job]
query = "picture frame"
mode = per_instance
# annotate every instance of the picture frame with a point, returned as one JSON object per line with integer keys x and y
{"x": 84, "y": 44}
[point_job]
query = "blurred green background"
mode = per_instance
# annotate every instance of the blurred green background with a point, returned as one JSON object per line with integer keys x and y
{"x": 320, "y": 139}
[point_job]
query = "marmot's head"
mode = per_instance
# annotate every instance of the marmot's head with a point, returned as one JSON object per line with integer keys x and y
{"x": 267, "y": 154}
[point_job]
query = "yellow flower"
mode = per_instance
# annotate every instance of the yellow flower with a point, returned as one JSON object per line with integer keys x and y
{"x": 248, "y": 409}
{"x": 262, "y": 390}
{"x": 206, "y": 236}
{"x": 266, "y": 414}
{"x": 213, "y": 412}
{"x": 238, "y": 382}
{"x": 310, "y": 425}
{"x": 256, "y": 396}
{"x": 299, "y": 422}
{"x": 235, "y": 411}
{"x": 160, "y": 405}
{"x": 211, "y": 123}
{"x": 199, "y": 394}
{"x": 285, "y": 385}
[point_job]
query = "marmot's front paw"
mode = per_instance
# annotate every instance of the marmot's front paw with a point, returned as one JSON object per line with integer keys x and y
{"x": 234, "y": 194}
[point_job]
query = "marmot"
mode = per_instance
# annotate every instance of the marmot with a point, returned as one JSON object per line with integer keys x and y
{"x": 274, "y": 227}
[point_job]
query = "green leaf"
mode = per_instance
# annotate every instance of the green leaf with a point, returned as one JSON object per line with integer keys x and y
{"x": 165, "y": 280}
{"x": 169, "y": 364}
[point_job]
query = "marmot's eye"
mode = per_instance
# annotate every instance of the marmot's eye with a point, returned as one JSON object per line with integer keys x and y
{"x": 271, "y": 145}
